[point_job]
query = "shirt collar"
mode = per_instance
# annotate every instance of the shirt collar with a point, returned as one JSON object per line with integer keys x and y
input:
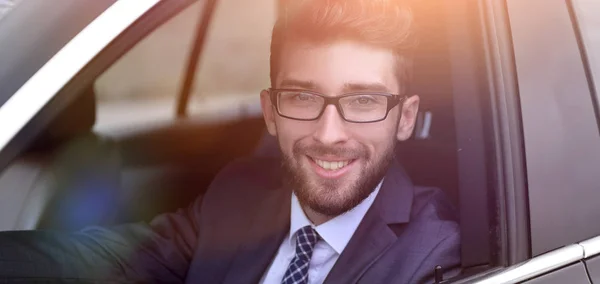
{"x": 337, "y": 231}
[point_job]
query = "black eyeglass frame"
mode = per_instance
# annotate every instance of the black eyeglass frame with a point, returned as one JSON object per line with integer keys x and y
{"x": 392, "y": 101}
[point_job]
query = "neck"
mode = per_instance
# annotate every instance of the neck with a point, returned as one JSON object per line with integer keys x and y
{"x": 315, "y": 217}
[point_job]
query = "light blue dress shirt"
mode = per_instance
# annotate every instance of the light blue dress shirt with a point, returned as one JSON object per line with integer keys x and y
{"x": 335, "y": 235}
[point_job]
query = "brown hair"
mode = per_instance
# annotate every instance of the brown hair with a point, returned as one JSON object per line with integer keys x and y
{"x": 380, "y": 23}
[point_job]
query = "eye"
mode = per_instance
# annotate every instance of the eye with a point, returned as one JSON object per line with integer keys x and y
{"x": 364, "y": 100}
{"x": 303, "y": 97}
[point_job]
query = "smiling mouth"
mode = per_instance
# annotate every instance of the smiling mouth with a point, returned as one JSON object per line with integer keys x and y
{"x": 332, "y": 165}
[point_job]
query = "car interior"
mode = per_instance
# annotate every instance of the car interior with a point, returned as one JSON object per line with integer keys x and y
{"x": 70, "y": 177}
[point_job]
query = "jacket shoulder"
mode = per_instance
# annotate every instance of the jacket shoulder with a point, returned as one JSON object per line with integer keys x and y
{"x": 242, "y": 183}
{"x": 432, "y": 203}
{"x": 436, "y": 219}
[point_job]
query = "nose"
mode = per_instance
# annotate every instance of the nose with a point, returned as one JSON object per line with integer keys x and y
{"x": 330, "y": 127}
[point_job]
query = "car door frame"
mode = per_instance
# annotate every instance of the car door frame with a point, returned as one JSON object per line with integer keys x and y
{"x": 539, "y": 258}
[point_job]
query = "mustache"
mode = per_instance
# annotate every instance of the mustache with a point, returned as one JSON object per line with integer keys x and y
{"x": 324, "y": 150}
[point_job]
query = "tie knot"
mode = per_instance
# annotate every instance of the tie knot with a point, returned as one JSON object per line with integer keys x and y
{"x": 306, "y": 239}
{"x": 297, "y": 272}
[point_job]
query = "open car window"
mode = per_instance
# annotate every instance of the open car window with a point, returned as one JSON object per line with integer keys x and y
{"x": 167, "y": 163}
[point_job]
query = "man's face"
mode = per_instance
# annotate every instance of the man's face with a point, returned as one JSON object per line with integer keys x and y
{"x": 332, "y": 165}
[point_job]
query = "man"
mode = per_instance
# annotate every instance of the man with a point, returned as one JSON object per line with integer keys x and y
{"x": 340, "y": 209}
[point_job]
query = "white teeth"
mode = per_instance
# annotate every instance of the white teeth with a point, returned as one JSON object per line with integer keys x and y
{"x": 331, "y": 165}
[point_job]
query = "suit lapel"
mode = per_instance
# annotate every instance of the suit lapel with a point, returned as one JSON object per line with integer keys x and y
{"x": 374, "y": 235}
{"x": 262, "y": 240}
{"x": 369, "y": 241}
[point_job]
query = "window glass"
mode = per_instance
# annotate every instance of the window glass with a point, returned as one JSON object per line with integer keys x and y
{"x": 141, "y": 88}
{"x": 561, "y": 142}
{"x": 234, "y": 66}
{"x": 589, "y": 23}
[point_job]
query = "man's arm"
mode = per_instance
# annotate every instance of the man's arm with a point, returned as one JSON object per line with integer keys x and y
{"x": 144, "y": 253}
{"x": 159, "y": 251}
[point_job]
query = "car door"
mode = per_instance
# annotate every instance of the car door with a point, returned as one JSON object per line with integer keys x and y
{"x": 587, "y": 28}
{"x": 550, "y": 60}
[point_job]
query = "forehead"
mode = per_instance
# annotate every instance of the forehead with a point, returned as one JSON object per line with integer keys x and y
{"x": 332, "y": 68}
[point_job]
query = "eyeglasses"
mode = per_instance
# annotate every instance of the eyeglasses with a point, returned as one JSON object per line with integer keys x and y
{"x": 357, "y": 107}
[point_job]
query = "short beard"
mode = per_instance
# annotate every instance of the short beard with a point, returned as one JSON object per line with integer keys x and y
{"x": 332, "y": 206}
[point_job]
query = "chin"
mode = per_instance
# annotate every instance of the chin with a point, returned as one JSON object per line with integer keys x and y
{"x": 330, "y": 209}
{"x": 331, "y": 194}
{"x": 329, "y": 198}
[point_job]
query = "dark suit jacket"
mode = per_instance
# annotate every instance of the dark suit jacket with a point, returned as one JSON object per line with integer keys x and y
{"x": 233, "y": 232}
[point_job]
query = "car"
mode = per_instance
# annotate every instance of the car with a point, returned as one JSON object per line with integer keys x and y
{"x": 116, "y": 111}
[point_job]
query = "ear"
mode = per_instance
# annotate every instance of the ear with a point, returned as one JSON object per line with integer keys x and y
{"x": 407, "y": 122}
{"x": 268, "y": 112}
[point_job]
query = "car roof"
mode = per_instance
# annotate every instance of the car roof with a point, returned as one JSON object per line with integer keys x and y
{"x": 34, "y": 31}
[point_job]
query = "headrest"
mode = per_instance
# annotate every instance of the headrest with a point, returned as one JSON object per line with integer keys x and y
{"x": 76, "y": 119}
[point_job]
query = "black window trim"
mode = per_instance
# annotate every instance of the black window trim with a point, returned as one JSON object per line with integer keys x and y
{"x": 470, "y": 111}
{"x": 194, "y": 57}
{"x": 507, "y": 185}
{"x": 501, "y": 192}
{"x": 511, "y": 183}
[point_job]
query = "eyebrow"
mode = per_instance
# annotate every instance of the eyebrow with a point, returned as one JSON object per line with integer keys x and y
{"x": 365, "y": 87}
{"x": 292, "y": 83}
{"x": 348, "y": 87}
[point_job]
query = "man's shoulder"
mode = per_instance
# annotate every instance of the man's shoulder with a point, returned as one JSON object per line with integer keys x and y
{"x": 434, "y": 214}
{"x": 251, "y": 171}
{"x": 433, "y": 203}
{"x": 242, "y": 183}
{"x": 434, "y": 222}
{"x": 430, "y": 237}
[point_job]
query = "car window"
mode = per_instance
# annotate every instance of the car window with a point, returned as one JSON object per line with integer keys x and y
{"x": 141, "y": 87}
{"x": 234, "y": 65}
{"x": 586, "y": 12}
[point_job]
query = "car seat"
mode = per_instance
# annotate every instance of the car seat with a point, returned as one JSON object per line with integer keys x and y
{"x": 67, "y": 179}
